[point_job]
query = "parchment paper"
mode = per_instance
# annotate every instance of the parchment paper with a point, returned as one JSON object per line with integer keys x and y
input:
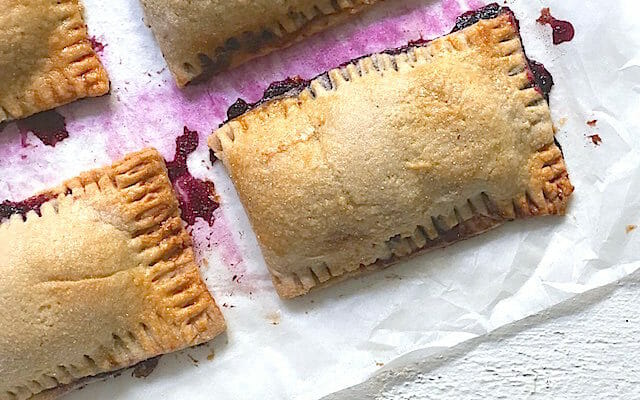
{"x": 311, "y": 346}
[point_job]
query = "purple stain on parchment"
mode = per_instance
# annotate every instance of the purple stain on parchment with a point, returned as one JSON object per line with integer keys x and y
{"x": 451, "y": 9}
{"x": 474, "y": 4}
{"x": 224, "y": 240}
{"x": 220, "y": 238}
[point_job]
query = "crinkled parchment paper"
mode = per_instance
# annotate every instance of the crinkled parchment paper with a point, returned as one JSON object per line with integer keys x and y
{"x": 311, "y": 346}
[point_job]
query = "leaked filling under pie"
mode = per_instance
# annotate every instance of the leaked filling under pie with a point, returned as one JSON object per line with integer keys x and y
{"x": 200, "y": 38}
{"x": 539, "y": 76}
{"x": 395, "y": 154}
{"x": 98, "y": 274}
{"x": 46, "y": 58}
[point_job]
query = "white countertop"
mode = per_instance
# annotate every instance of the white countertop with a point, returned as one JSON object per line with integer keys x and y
{"x": 586, "y": 347}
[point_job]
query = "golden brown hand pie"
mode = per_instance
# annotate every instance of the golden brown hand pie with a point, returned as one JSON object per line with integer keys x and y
{"x": 46, "y": 59}
{"x": 394, "y": 154}
{"x": 99, "y": 277}
{"x": 213, "y": 35}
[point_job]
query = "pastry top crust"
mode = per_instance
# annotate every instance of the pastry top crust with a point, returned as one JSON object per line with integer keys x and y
{"x": 46, "y": 59}
{"x": 394, "y": 146}
{"x": 213, "y": 35}
{"x": 104, "y": 278}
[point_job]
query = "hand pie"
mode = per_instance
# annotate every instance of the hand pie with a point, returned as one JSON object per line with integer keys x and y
{"x": 46, "y": 59}
{"x": 212, "y": 35}
{"x": 394, "y": 154}
{"x": 97, "y": 274}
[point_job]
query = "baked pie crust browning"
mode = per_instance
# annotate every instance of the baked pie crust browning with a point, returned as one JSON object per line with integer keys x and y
{"x": 104, "y": 278}
{"x": 395, "y": 154}
{"x": 46, "y": 59}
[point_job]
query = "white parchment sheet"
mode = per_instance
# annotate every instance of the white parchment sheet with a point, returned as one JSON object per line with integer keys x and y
{"x": 337, "y": 337}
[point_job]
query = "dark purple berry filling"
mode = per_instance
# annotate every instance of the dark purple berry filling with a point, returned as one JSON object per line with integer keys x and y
{"x": 197, "y": 198}
{"x": 49, "y": 126}
{"x": 9, "y": 208}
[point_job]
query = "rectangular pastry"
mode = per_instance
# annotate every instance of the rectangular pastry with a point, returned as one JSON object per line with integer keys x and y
{"x": 209, "y": 36}
{"x": 98, "y": 274}
{"x": 46, "y": 59}
{"x": 394, "y": 154}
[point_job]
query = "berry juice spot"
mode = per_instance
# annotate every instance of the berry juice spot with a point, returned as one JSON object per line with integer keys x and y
{"x": 563, "y": 31}
{"x": 197, "y": 198}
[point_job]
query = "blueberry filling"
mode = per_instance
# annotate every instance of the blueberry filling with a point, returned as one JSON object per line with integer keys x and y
{"x": 9, "y": 208}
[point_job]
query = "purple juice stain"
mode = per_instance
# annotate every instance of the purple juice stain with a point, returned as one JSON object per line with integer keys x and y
{"x": 197, "y": 198}
{"x": 9, "y": 208}
{"x": 97, "y": 46}
{"x": 563, "y": 31}
{"x": 48, "y": 126}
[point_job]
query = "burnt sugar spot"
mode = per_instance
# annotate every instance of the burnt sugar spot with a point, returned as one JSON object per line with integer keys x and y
{"x": 48, "y": 126}
{"x": 197, "y": 198}
{"x": 563, "y": 31}
{"x": 596, "y": 139}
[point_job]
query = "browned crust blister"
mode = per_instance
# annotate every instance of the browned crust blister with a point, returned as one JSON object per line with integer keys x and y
{"x": 136, "y": 197}
{"x": 191, "y": 58}
{"x": 545, "y": 188}
{"x": 68, "y": 68}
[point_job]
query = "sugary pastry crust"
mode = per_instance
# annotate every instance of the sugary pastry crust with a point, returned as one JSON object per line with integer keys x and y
{"x": 395, "y": 154}
{"x": 103, "y": 278}
{"x": 211, "y": 36}
{"x": 46, "y": 58}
